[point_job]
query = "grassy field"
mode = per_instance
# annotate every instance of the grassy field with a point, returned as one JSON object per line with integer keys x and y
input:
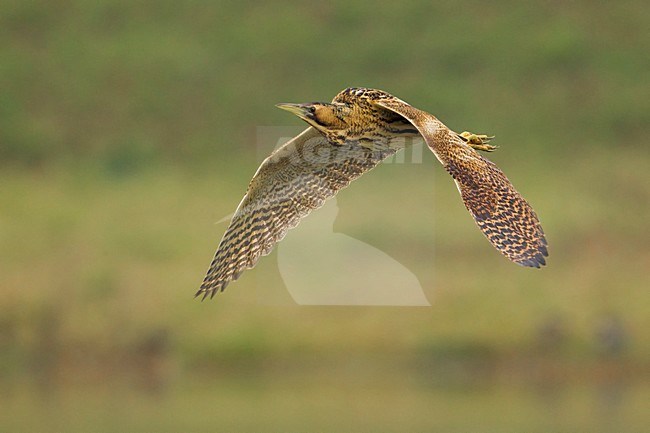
{"x": 127, "y": 130}
{"x": 112, "y": 261}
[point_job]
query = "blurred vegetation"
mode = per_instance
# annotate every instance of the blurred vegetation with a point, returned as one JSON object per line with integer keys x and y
{"x": 128, "y": 128}
{"x": 135, "y": 82}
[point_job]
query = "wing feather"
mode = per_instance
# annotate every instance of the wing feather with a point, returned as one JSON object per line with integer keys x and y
{"x": 294, "y": 180}
{"x": 502, "y": 214}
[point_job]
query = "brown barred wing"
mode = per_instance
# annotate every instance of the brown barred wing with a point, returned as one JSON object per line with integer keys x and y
{"x": 502, "y": 214}
{"x": 294, "y": 180}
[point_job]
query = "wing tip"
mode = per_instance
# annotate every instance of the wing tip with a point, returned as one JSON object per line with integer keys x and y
{"x": 212, "y": 285}
{"x": 537, "y": 259}
{"x": 210, "y": 289}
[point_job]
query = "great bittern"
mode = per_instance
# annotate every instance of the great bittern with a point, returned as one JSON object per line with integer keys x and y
{"x": 346, "y": 138}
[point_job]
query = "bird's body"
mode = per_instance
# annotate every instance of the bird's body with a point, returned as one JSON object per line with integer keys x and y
{"x": 346, "y": 138}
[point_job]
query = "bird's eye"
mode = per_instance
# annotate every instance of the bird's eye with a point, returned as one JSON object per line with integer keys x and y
{"x": 312, "y": 109}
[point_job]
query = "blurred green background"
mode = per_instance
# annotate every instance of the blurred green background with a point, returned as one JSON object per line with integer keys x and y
{"x": 128, "y": 128}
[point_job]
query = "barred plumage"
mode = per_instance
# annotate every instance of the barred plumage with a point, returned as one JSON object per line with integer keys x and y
{"x": 293, "y": 181}
{"x": 346, "y": 138}
{"x": 502, "y": 214}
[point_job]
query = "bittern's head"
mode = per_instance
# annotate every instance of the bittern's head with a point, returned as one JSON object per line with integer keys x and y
{"x": 328, "y": 118}
{"x": 352, "y": 115}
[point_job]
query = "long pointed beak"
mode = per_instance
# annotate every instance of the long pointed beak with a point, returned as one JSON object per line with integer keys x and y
{"x": 299, "y": 110}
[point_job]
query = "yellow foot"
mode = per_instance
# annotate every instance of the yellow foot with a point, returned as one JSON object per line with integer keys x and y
{"x": 478, "y": 141}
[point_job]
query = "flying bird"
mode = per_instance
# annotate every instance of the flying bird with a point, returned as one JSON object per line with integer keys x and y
{"x": 347, "y": 137}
